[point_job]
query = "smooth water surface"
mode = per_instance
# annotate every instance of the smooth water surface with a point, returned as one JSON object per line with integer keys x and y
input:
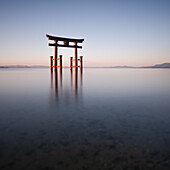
{"x": 94, "y": 119}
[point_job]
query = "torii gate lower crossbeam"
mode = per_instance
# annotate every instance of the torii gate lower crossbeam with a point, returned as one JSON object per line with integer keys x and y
{"x": 65, "y": 43}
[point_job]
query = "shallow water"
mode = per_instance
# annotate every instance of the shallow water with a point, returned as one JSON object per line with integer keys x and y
{"x": 94, "y": 119}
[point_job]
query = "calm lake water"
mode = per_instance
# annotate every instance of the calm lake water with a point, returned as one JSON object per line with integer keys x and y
{"x": 96, "y": 119}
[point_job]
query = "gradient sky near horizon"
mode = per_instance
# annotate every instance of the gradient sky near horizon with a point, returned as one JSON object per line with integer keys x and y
{"x": 116, "y": 32}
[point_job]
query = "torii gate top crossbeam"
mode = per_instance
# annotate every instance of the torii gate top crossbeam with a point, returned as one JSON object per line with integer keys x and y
{"x": 65, "y": 40}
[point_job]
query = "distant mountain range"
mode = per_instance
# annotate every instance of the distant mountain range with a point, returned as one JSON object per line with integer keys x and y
{"x": 164, "y": 65}
{"x": 24, "y": 66}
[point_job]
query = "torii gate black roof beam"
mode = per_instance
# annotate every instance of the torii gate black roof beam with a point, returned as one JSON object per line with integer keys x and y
{"x": 64, "y": 39}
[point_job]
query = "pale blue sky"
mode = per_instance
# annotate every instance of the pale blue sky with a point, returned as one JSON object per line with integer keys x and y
{"x": 116, "y": 32}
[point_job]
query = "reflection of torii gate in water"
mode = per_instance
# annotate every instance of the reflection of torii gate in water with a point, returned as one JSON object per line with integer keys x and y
{"x": 78, "y": 81}
{"x": 66, "y": 43}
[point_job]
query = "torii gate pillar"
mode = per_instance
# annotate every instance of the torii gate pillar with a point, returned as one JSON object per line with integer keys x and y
{"x": 55, "y": 56}
{"x": 76, "y": 56}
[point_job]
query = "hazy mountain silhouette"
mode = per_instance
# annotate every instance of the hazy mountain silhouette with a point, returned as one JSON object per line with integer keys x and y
{"x": 163, "y": 65}
{"x": 24, "y": 66}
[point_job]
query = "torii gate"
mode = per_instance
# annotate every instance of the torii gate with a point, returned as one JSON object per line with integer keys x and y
{"x": 66, "y": 43}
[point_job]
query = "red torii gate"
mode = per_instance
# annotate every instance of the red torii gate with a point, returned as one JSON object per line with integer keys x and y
{"x": 65, "y": 43}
